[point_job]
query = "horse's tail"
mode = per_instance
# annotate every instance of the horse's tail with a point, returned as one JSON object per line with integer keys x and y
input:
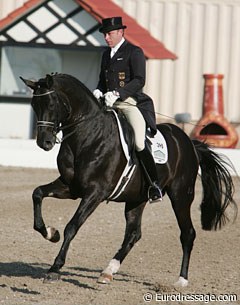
{"x": 218, "y": 187}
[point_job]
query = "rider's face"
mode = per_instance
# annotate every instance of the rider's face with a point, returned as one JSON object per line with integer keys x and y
{"x": 113, "y": 38}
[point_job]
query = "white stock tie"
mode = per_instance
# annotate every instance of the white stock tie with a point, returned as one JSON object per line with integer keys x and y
{"x": 112, "y": 53}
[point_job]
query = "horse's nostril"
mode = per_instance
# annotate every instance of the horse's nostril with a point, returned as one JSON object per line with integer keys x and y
{"x": 47, "y": 145}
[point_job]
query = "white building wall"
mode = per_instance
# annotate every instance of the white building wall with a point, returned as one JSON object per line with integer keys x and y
{"x": 7, "y": 6}
{"x": 205, "y": 35}
{"x": 18, "y": 125}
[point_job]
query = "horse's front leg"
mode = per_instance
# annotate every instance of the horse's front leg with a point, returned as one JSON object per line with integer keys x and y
{"x": 133, "y": 216}
{"x": 85, "y": 209}
{"x": 55, "y": 189}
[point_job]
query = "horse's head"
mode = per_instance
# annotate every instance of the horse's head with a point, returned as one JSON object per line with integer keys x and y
{"x": 49, "y": 109}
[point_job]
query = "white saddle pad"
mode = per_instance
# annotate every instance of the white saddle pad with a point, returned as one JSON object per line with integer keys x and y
{"x": 159, "y": 148}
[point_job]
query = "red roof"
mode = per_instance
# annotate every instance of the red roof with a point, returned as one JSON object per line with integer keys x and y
{"x": 135, "y": 33}
{"x": 19, "y": 12}
{"x": 100, "y": 9}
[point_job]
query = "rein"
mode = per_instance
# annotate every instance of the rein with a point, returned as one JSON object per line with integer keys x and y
{"x": 57, "y": 129}
{"x": 61, "y": 128}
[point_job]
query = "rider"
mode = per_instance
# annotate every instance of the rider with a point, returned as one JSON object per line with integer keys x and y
{"x": 121, "y": 81}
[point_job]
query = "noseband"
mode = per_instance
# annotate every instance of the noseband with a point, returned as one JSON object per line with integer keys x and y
{"x": 45, "y": 123}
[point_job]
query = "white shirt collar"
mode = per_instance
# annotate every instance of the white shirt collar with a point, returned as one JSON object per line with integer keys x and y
{"x": 114, "y": 49}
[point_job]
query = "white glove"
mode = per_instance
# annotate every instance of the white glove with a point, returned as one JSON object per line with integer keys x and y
{"x": 111, "y": 97}
{"x": 97, "y": 93}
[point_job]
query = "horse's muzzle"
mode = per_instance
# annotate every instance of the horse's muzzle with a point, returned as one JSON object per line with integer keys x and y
{"x": 46, "y": 142}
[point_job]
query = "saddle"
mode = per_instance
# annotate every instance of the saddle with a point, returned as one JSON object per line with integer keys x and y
{"x": 127, "y": 139}
{"x": 156, "y": 144}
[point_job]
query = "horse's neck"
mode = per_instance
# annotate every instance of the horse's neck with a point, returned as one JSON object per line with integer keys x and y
{"x": 82, "y": 107}
{"x": 96, "y": 128}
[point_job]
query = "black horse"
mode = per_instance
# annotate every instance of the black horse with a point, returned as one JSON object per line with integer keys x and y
{"x": 91, "y": 160}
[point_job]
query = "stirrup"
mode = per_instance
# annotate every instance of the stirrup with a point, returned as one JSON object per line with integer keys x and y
{"x": 154, "y": 193}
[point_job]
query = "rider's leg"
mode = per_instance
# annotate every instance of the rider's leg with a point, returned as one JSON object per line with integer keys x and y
{"x": 149, "y": 166}
{"x": 138, "y": 123}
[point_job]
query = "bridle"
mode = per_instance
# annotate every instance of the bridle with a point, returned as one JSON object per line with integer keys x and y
{"x": 45, "y": 93}
{"x": 46, "y": 123}
{"x": 57, "y": 127}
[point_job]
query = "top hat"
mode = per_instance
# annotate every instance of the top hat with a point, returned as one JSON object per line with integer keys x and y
{"x": 110, "y": 24}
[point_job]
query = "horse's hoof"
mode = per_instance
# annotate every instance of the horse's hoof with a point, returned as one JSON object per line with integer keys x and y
{"x": 56, "y": 237}
{"x": 182, "y": 282}
{"x": 51, "y": 277}
{"x": 105, "y": 278}
{"x": 53, "y": 235}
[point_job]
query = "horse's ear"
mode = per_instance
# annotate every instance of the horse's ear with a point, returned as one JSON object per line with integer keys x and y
{"x": 31, "y": 84}
{"x": 49, "y": 81}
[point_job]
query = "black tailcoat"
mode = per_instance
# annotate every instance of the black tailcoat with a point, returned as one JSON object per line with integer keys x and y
{"x": 125, "y": 72}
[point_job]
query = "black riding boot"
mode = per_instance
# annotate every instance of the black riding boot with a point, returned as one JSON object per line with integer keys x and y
{"x": 150, "y": 170}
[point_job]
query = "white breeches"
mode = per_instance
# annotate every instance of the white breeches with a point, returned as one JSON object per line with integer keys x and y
{"x": 135, "y": 118}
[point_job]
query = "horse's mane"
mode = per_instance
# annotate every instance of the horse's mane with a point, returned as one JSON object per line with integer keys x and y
{"x": 60, "y": 79}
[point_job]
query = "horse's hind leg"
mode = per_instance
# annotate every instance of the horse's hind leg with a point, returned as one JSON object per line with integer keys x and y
{"x": 55, "y": 189}
{"x": 133, "y": 216}
{"x": 181, "y": 203}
